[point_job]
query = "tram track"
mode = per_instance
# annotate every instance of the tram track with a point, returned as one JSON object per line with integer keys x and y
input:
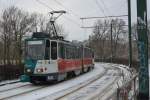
{"x": 109, "y": 90}
{"x": 4, "y": 90}
{"x": 9, "y": 83}
{"x": 82, "y": 84}
{"x": 78, "y": 88}
{"x": 19, "y": 91}
{"x": 79, "y": 97}
{"x": 108, "y": 74}
{"x": 71, "y": 91}
{"x": 8, "y": 93}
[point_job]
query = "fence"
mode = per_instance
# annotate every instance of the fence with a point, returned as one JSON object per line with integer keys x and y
{"x": 135, "y": 64}
{"x": 129, "y": 90}
{"x": 12, "y": 62}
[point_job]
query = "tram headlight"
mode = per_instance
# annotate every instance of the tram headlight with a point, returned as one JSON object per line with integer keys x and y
{"x": 28, "y": 70}
{"x": 42, "y": 69}
{"x": 38, "y": 70}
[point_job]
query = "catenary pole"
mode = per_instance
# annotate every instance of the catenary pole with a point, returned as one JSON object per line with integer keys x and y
{"x": 143, "y": 49}
{"x": 129, "y": 30}
{"x": 111, "y": 41}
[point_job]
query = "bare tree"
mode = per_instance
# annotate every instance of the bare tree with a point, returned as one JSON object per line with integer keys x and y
{"x": 99, "y": 36}
{"x": 118, "y": 34}
{"x": 15, "y": 23}
{"x": 100, "y": 40}
{"x": 6, "y": 35}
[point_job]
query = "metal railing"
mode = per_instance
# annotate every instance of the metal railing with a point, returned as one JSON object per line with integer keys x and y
{"x": 129, "y": 90}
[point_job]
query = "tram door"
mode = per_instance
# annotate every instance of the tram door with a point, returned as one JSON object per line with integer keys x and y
{"x": 47, "y": 50}
{"x": 54, "y": 50}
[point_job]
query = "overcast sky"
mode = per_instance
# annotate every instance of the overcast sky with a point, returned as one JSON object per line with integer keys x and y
{"x": 75, "y": 10}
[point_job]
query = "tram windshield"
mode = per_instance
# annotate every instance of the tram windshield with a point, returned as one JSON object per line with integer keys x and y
{"x": 35, "y": 50}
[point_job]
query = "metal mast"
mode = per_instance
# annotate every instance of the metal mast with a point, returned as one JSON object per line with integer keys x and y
{"x": 143, "y": 49}
{"x": 129, "y": 30}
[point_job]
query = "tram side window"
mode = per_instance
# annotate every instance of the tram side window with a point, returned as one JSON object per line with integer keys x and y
{"x": 68, "y": 52}
{"x": 47, "y": 50}
{"x": 87, "y": 53}
{"x": 61, "y": 50}
{"x": 84, "y": 52}
{"x": 65, "y": 51}
{"x": 92, "y": 54}
{"x": 53, "y": 50}
{"x": 76, "y": 53}
{"x": 80, "y": 52}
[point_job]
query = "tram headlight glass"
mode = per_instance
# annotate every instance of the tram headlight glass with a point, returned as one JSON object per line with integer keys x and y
{"x": 28, "y": 70}
{"x": 38, "y": 70}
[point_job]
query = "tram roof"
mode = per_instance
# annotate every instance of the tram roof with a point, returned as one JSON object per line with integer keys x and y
{"x": 42, "y": 35}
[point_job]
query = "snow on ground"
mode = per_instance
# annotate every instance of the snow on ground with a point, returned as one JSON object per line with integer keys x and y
{"x": 103, "y": 88}
{"x": 52, "y": 89}
{"x": 8, "y": 81}
{"x": 19, "y": 90}
{"x": 62, "y": 87}
{"x": 12, "y": 86}
{"x": 98, "y": 87}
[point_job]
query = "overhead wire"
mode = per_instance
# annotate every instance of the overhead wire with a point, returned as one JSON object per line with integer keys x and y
{"x": 73, "y": 13}
{"x": 53, "y": 10}
{"x": 107, "y": 17}
{"x": 89, "y": 18}
{"x": 101, "y": 26}
{"x": 69, "y": 11}
{"x": 99, "y": 6}
{"x": 103, "y": 17}
{"x": 42, "y": 3}
{"x": 72, "y": 20}
{"x": 120, "y": 4}
{"x": 105, "y": 6}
